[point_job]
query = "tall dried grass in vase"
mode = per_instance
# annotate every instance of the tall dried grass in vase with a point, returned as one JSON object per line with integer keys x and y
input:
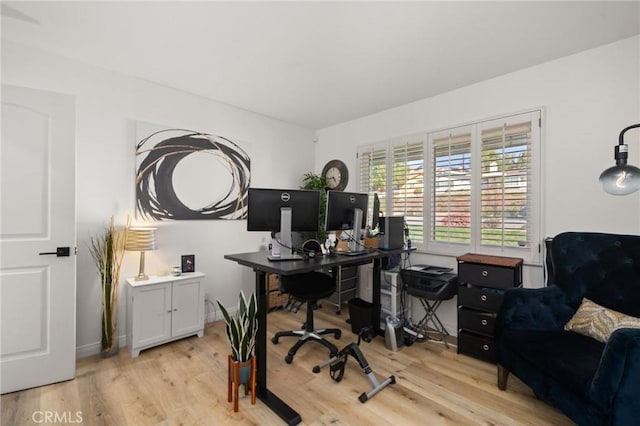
{"x": 107, "y": 250}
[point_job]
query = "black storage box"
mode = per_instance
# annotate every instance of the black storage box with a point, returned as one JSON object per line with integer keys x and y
{"x": 360, "y": 314}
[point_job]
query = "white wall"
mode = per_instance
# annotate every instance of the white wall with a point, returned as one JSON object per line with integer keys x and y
{"x": 588, "y": 98}
{"x": 108, "y": 105}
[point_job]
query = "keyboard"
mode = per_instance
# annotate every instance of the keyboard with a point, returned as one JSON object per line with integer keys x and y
{"x": 356, "y": 253}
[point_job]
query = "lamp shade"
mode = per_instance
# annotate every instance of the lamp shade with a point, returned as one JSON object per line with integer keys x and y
{"x": 623, "y": 178}
{"x": 141, "y": 239}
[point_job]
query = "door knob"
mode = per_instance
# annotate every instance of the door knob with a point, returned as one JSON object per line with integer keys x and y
{"x": 60, "y": 252}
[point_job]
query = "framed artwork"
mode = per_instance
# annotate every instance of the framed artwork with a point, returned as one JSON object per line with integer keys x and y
{"x": 189, "y": 175}
{"x": 188, "y": 263}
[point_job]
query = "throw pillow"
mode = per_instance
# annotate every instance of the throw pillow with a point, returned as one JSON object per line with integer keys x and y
{"x": 599, "y": 322}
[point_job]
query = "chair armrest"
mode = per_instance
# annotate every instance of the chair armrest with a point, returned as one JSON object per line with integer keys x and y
{"x": 533, "y": 309}
{"x": 616, "y": 384}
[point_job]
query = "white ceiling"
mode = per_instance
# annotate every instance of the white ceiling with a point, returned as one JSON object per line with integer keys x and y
{"x": 317, "y": 63}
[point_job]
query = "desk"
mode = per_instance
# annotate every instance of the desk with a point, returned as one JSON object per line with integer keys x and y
{"x": 261, "y": 265}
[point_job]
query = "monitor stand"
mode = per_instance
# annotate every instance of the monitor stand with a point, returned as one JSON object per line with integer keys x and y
{"x": 355, "y": 245}
{"x": 282, "y": 249}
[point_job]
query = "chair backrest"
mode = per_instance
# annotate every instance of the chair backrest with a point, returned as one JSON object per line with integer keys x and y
{"x": 602, "y": 267}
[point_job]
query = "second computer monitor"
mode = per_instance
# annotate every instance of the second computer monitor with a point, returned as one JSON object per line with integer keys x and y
{"x": 347, "y": 211}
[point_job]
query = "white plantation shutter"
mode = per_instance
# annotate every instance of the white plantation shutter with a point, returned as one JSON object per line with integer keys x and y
{"x": 372, "y": 163}
{"x": 450, "y": 218}
{"x": 408, "y": 186}
{"x": 469, "y": 188}
{"x": 506, "y": 180}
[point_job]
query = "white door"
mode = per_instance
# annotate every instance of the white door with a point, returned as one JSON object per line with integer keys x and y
{"x": 37, "y": 216}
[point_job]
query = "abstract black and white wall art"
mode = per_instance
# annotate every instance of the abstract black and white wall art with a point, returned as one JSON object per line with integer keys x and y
{"x": 189, "y": 175}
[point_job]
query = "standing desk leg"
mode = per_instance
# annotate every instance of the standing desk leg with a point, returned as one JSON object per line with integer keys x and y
{"x": 376, "y": 296}
{"x": 286, "y": 413}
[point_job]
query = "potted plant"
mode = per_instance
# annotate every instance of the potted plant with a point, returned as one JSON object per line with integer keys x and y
{"x": 241, "y": 329}
{"x": 314, "y": 181}
{"x": 107, "y": 250}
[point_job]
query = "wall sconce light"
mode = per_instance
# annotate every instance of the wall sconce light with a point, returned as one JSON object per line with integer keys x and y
{"x": 141, "y": 239}
{"x": 623, "y": 178}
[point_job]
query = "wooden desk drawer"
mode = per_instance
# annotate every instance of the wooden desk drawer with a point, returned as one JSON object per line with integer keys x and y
{"x": 476, "y": 321}
{"x": 479, "y": 298}
{"x": 477, "y": 346}
{"x": 488, "y": 275}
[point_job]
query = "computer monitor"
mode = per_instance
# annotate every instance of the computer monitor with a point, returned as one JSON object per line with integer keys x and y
{"x": 284, "y": 211}
{"x": 347, "y": 211}
{"x": 376, "y": 211}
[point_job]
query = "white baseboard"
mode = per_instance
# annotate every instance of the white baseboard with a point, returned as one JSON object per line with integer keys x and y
{"x": 94, "y": 348}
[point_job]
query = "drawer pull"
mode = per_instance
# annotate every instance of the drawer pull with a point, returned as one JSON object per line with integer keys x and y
{"x": 485, "y": 273}
{"x": 483, "y": 297}
{"x": 485, "y": 347}
{"x": 483, "y": 322}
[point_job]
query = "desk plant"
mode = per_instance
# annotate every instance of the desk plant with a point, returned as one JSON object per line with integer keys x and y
{"x": 314, "y": 181}
{"x": 107, "y": 250}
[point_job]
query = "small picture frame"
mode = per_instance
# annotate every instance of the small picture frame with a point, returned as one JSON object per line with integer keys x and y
{"x": 188, "y": 263}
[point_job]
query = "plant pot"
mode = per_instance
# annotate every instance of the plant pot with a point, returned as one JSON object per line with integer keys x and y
{"x": 241, "y": 373}
{"x": 106, "y": 352}
{"x": 109, "y": 344}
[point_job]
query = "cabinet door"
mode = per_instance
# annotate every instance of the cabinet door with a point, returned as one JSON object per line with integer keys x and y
{"x": 151, "y": 314}
{"x": 188, "y": 307}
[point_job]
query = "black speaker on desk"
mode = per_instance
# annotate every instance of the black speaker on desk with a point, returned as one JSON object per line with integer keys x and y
{"x": 391, "y": 235}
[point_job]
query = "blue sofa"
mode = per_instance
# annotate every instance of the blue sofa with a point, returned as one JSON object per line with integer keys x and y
{"x": 593, "y": 383}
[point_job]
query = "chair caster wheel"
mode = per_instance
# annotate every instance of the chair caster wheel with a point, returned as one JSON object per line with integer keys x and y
{"x": 274, "y": 340}
{"x": 316, "y": 369}
{"x": 337, "y": 335}
{"x": 363, "y": 398}
{"x": 288, "y": 359}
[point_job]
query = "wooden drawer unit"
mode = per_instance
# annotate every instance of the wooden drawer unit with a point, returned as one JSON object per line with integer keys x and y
{"x": 482, "y": 282}
{"x": 477, "y": 346}
{"x": 476, "y": 321}
{"x": 481, "y": 298}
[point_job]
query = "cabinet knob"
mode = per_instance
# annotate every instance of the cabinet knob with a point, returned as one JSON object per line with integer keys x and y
{"x": 485, "y": 347}
{"x": 483, "y": 322}
{"x": 483, "y": 297}
{"x": 485, "y": 273}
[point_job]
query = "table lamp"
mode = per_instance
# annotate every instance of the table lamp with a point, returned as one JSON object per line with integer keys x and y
{"x": 141, "y": 239}
{"x": 623, "y": 178}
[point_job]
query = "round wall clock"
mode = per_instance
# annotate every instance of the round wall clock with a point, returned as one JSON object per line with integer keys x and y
{"x": 336, "y": 174}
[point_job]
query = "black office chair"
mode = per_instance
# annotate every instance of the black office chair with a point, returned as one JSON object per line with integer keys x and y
{"x": 308, "y": 287}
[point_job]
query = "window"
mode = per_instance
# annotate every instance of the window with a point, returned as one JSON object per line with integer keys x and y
{"x": 485, "y": 188}
{"x": 401, "y": 191}
{"x": 482, "y": 186}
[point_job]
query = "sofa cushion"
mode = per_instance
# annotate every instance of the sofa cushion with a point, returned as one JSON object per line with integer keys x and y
{"x": 570, "y": 358}
{"x": 599, "y": 322}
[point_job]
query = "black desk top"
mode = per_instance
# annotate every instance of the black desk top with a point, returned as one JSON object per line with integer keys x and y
{"x": 258, "y": 260}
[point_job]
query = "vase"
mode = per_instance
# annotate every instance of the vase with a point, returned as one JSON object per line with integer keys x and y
{"x": 109, "y": 344}
{"x": 106, "y": 352}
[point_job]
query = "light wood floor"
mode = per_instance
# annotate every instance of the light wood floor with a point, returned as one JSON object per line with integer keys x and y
{"x": 185, "y": 383}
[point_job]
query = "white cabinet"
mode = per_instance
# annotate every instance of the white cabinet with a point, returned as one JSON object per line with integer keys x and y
{"x": 163, "y": 309}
